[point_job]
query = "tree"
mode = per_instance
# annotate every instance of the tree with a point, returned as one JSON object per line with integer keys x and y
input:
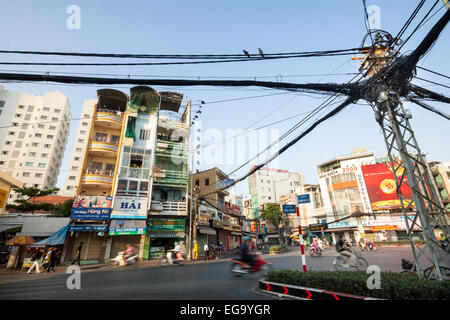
{"x": 25, "y": 205}
{"x": 63, "y": 209}
{"x": 273, "y": 214}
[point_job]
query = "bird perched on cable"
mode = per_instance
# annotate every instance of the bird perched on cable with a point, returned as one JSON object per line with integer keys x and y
{"x": 261, "y": 52}
{"x": 246, "y": 53}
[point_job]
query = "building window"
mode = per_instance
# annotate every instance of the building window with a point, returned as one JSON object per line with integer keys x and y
{"x": 38, "y": 175}
{"x": 57, "y": 110}
{"x": 197, "y": 183}
{"x": 47, "y": 146}
{"x": 144, "y": 134}
{"x": 46, "y": 109}
{"x": 80, "y": 140}
{"x": 49, "y": 136}
{"x": 78, "y": 149}
{"x": 35, "y": 144}
{"x": 26, "y": 174}
{"x": 72, "y": 178}
{"x": 30, "y": 109}
{"x": 38, "y": 135}
{"x": 41, "y": 165}
{"x": 84, "y": 124}
{"x": 5, "y": 152}
{"x": 52, "y": 128}
{"x": 29, "y": 164}
{"x": 27, "y": 117}
{"x": 44, "y": 117}
{"x": 206, "y": 182}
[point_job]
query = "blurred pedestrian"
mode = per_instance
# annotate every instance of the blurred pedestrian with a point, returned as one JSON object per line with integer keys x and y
{"x": 51, "y": 266}
{"x": 78, "y": 256}
{"x": 36, "y": 258}
{"x": 206, "y": 249}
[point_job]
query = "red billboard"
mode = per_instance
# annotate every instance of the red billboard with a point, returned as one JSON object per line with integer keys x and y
{"x": 381, "y": 186}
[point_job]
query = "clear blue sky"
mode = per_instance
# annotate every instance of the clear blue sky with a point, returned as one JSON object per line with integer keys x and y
{"x": 212, "y": 27}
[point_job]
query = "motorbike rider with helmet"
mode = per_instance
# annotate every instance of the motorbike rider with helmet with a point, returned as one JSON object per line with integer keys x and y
{"x": 246, "y": 256}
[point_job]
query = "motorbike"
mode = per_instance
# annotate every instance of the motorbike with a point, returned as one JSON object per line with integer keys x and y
{"x": 131, "y": 261}
{"x": 261, "y": 246}
{"x": 315, "y": 250}
{"x": 239, "y": 268}
{"x": 171, "y": 259}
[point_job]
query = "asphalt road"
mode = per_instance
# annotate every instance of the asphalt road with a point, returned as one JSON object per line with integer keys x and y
{"x": 205, "y": 281}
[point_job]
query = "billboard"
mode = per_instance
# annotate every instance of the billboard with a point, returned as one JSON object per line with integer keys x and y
{"x": 91, "y": 208}
{"x": 381, "y": 186}
{"x": 126, "y": 207}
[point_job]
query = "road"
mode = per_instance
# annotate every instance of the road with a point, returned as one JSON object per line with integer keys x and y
{"x": 204, "y": 281}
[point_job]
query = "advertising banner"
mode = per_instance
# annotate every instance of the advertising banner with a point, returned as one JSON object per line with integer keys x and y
{"x": 91, "y": 208}
{"x": 382, "y": 188}
{"x": 126, "y": 207}
{"x": 166, "y": 224}
{"x": 127, "y": 227}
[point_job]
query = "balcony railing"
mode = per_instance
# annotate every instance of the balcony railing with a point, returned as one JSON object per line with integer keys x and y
{"x": 169, "y": 207}
{"x": 172, "y": 149}
{"x": 106, "y": 140}
{"x": 114, "y": 112}
{"x": 175, "y": 178}
{"x": 100, "y": 172}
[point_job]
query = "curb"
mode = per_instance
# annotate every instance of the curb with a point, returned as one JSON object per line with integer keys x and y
{"x": 306, "y": 293}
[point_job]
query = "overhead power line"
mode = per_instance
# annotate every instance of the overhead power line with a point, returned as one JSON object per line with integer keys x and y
{"x": 175, "y": 56}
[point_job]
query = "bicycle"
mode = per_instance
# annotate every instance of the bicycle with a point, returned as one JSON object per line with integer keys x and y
{"x": 341, "y": 262}
{"x": 428, "y": 273}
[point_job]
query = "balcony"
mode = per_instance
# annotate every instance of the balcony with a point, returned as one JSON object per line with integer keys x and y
{"x": 171, "y": 178}
{"x": 171, "y": 149}
{"x": 109, "y": 118}
{"x": 171, "y": 125}
{"x": 100, "y": 177}
{"x": 103, "y": 147}
{"x": 169, "y": 208}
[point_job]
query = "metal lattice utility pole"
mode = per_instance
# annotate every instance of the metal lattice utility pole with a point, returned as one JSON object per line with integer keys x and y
{"x": 410, "y": 168}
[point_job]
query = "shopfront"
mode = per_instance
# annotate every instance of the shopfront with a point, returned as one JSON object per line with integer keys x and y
{"x": 205, "y": 235}
{"x": 162, "y": 235}
{"x": 124, "y": 232}
{"x": 94, "y": 239}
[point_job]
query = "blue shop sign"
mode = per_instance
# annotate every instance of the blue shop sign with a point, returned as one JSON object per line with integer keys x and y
{"x": 90, "y": 214}
{"x": 87, "y": 228}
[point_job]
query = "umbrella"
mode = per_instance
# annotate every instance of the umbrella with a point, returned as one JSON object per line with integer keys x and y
{"x": 20, "y": 241}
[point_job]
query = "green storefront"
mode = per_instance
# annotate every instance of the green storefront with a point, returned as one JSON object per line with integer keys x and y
{"x": 162, "y": 235}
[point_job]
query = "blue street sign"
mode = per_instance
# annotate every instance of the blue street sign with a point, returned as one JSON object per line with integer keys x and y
{"x": 289, "y": 208}
{"x": 304, "y": 198}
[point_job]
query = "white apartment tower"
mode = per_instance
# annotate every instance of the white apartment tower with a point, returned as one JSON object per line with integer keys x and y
{"x": 80, "y": 144}
{"x": 33, "y": 136}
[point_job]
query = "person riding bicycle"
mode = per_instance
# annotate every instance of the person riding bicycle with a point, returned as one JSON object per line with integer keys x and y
{"x": 246, "y": 256}
{"x": 344, "y": 250}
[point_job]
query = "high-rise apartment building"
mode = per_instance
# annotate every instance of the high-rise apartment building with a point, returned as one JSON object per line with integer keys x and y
{"x": 33, "y": 136}
{"x": 269, "y": 185}
{"x": 80, "y": 145}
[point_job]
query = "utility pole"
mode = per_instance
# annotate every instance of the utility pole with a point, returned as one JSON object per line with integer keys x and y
{"x": 410, "y": 168}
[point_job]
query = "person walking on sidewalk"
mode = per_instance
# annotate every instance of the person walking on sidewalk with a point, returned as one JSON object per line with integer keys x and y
{"x": 78, "y": 257}
{"x": 52, "y": 263}
{"x": 206, "y": 249}
{"x": 36, "y": 257}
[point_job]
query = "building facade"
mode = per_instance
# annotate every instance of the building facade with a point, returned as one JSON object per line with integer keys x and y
{"x": 133, "y": 177}
{"x": 441, "y": 175}
{"x": 32, "y": 147}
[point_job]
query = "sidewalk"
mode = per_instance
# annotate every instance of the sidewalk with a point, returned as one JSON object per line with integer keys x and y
{"x": 18, "y": 274}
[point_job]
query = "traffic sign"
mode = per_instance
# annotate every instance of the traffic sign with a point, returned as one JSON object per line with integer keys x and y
{"x": 304, "y": 198}
{"x": 289, "y": 208}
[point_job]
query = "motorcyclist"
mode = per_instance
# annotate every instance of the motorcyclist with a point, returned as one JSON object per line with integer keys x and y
{"x": 178, "y": 251}
{"x": 246, "y": 256}
{"x": 314, "y": 244}
{"x": 344, "y": 250}
{"x": 129, "y": 252}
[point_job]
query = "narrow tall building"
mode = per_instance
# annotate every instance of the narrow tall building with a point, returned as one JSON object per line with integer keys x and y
{"x": 33, "y": 136}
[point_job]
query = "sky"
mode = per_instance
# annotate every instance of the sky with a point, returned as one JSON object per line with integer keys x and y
{"x": 228, "y": 27}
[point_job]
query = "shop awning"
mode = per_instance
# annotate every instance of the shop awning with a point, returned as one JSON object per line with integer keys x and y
{"x": 8, "y": 227}
{"x": 206, "y": 230}
{"x": 234, "y": 233}
{"x": 59, "y": 237}
{"x": 127, "y": 227}
{"x": 168, "y": 234}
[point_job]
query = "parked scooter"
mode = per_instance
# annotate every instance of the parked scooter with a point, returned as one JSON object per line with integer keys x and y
{"x": 130, "y": 261}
